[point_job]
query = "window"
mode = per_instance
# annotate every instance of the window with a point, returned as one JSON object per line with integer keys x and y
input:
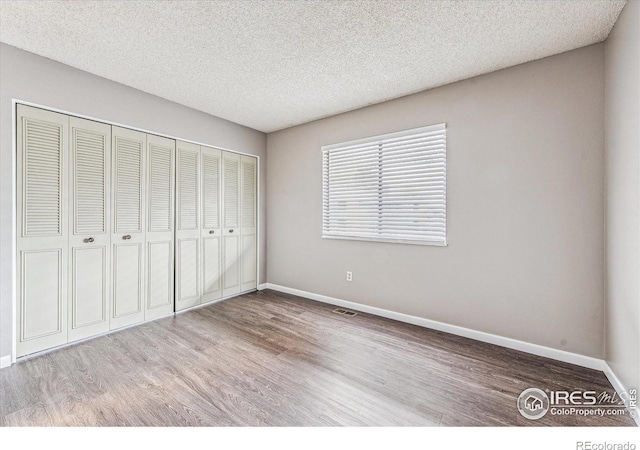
{"x": 389, "y": 188}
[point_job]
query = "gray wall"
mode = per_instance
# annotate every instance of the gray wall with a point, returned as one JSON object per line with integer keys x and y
{"x": 622, "y": 143}
{"x": 29, "y": 77}
{"x": 525, "y": 207}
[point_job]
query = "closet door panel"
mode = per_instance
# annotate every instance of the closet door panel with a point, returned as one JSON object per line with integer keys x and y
{"x": 89, "y": 292}
{"x": 43, "y": 303}
{"x": 231, "y": 223}
{"x": 188, "y": 198}
{"x": 211, "y": 268}
{"x": 160, "y": 227}
{"x": 89, "y": 231}
{"x": 127, "y": 283}
{"x": 231, "y": 190}
{"x": 42, "y": 225}
{"x": 248, "y": 240}
{"x": 211, "y": 224}
{"x": 128, "y": 236}
{"x": 188, "y": 272}
{"x": 187, "y": 225}
{"x": 249, "y": 262}
{"x": 231, "y": 267}
{"x": 160, "y": 279}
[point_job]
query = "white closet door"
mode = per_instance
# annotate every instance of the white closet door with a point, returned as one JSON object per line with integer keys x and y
{"x": 43, "y": 236}
{"x": 128, "y": 231}
{"x": 231, "y": 223}
{"x": 187, "y": 225}
{"x": 160, "y": 222}
{"x": 248, "y": 240}
{"x": 89, "y": 230}
{"x": 211, "y": 224}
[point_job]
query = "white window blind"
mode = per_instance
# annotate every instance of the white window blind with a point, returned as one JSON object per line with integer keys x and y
{"x": 389, "y": 188}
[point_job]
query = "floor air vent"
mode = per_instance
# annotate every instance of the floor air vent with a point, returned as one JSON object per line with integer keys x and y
{"x": 345, "y": 312}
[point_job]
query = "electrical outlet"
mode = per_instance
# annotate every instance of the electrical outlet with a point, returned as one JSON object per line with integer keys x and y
{"x": 349, "y": 276}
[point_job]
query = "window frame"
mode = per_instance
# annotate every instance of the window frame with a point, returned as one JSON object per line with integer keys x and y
{"x": 379, "y": 138}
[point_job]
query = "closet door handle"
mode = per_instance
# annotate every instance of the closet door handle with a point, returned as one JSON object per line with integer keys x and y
{"x": 211, "y": 232}
{"x": 230, "y": 231}
{"x": 90, "y": 239}
{"x": 126, "y": 237}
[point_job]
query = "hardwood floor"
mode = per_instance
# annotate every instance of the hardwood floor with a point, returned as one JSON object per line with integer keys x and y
{"x": 268, "y": 358}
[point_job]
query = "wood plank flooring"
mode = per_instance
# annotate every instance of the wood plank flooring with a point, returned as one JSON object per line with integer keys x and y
{"x": 272, "y": 359}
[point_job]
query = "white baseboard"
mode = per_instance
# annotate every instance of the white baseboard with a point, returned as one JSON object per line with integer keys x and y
{"x": 5, "y": 361}
{"x": 620, "y": 389}
{"x": 263, "y": 286}
{"x": 535, "y": 349}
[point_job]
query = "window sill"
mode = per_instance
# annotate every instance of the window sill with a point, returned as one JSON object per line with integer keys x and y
{"x": 387, "y": 241}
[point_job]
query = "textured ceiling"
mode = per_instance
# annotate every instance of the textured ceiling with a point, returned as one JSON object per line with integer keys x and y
{"x": 273, "y": 64}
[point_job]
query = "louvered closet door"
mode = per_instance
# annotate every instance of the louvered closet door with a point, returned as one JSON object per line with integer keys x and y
{"x": 160, "y": 223}
{"x": 89, "y": 230}
{"x": 42, "y": 229}
{"x": 128, "y": 230}
{"x": 211, "y": 235}
{"x": 187, "y": 225}
{"x": 231, "y": 223}
{"x": 248, "y": 240}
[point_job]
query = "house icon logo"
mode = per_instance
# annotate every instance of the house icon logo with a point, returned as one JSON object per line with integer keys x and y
{"x": 533, "y": 403}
